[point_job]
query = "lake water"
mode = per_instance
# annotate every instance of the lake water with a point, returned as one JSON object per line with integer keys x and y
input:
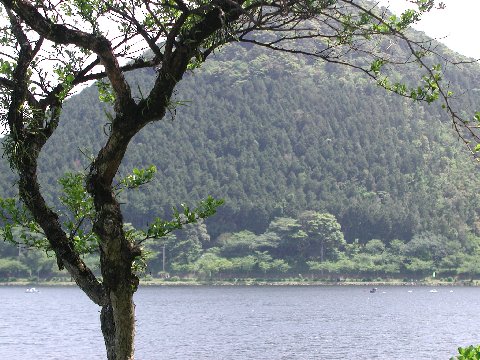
{"x": 248, "y": 323}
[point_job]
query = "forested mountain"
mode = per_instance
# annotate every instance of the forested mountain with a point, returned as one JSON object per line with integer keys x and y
{"x": 275, "y": 134}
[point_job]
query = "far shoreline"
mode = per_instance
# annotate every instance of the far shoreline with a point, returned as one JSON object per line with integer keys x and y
{"x": 260, "y": 282}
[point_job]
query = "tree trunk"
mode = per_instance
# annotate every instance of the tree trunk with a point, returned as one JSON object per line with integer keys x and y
{"x": 117, "y": 254}
{"x": 118, "y": 314}
{"x": 322, "y": 251}
{"x": 108, "y": 330}
{"x": 118, "y": 325}
{"x": 124, "y": 317}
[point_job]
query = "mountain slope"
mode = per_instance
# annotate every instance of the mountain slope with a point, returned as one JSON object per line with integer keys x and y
{"x": 275, "y": 134}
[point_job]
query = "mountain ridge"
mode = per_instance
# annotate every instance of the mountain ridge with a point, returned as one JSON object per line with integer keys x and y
{"x": 275, "y": 134}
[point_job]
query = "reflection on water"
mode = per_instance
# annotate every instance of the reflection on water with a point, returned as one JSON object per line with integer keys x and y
{"x": 248, "y": 323}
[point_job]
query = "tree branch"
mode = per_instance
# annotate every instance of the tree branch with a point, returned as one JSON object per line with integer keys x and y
{"x": 62, "y": 34}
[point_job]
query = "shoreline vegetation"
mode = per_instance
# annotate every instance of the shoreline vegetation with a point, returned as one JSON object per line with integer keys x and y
{"x": 263, "y": 282}
{"x": 308, "y": 250}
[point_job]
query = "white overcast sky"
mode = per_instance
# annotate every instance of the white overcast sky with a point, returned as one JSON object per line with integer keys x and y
{"x": 457, "y": 26}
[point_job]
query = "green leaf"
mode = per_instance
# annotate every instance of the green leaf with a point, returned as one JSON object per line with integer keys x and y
{"x": 477, "y": 116}
{"x": 139, "y": 177}
{"x": 205, "y": 208}
{"x": 105, "y": 92}
{"x": 376, "y": 66}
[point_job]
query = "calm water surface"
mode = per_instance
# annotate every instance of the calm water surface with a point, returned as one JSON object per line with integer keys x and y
{"x": 248, "y": 323}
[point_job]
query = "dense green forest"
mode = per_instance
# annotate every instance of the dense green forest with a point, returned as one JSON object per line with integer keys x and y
{"x": 282, "y": 138}
{"x": 311, "y": 246}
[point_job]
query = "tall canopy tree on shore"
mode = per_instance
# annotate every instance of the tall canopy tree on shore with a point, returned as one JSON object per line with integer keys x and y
{"x": 323, "y": 235}
{"x": 50, "y": 48}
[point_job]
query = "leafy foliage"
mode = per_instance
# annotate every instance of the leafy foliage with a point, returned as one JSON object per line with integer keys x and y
{"x": 468, "y": 353}
{"x": 139, "y": 177}
{"x": 81, "y": 213}
{"x": 160, "y": 228}
{"x": 19, "y": 227}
